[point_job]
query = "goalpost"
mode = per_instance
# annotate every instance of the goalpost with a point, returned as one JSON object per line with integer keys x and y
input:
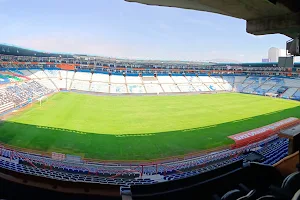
{"x": 42, "y": 99}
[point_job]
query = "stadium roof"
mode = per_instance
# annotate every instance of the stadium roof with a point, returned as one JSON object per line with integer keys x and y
{"x": 262, "y": 16}
{"x": 19, "y": 51}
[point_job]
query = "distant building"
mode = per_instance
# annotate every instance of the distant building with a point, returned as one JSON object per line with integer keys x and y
{"x": 275, "y": 53}
{"x": 265, "y": 60}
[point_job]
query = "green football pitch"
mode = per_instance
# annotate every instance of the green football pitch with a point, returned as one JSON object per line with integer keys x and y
{"x": 139, "y": 127}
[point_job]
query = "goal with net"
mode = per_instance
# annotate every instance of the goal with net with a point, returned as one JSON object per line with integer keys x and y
{"x": 42, "y": 99}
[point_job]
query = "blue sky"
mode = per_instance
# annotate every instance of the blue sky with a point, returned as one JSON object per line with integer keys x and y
{"x": 117, "y": 28}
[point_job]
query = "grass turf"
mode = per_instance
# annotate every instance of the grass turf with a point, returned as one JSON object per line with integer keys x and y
{"x": 140, "y": 127}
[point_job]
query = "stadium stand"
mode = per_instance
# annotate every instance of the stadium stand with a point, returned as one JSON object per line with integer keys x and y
{"x": 25, "y": 73}
{"x": 205, "y": 79}
{"x": 186, "y": 88}
{"x": 99, "y": 87}
{"x": 117, "y": 79}
{"x": 216, "y": 79}
{"x": 133, "y": 80}
{"x": 170, "y": 88}
{"x": 136, "y": 88}
{"x": 201, "y": 88}
{"x": 289, "y": 93}
{"x": 153, "y": 88}
{"x": 35, "y": 165}
{"x": 193, "y": 79}
{"x": 263, "y": 89}
{"x": 62, "y": 74}
{"x": 240, "y": 79}
{"x": 180, "y": 80}
{"x": 118, "y": 88}
{"x": 98, "y": 77}
{"x": 272, "y": 149}
{"x": 296, "y": 96}
{"x": 274, "y": 89}
{"x": 292, "y": 82}
{"x": 15, "y": 95}
{"x": 70, "y": 75}
{"x": 229, "y": 79}
{"x": 60, "y": 83}
{"x": 94, "y": 82}
{"x": 52, "y": 73}
{"x": 165, "y": 80}
{"x": 84, "y": 76}
{"x": 80, "y": 85}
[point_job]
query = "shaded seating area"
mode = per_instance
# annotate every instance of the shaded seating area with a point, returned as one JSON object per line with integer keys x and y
{"x": 213, "y": 185}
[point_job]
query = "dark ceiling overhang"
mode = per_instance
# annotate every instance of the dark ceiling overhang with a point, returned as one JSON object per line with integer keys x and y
{"x": 262, "y": 16}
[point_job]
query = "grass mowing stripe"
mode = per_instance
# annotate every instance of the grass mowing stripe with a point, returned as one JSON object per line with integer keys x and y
{"x": 140, "y": 127}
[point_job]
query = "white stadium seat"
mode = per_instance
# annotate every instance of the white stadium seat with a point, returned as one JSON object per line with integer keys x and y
{"x": 274, "y": 89}
{"x": 170, "y": 88}
{"x": 240, "y": 79}
{"x": 153, "y": 88}
{"x": 186, "y": 88}
{"x": 52, "y": 73}
{"x": 180, "y": 79}
{"x": 165, "y": 79}
{"x": 63, "y": 74}
{"x": 217, "y": 79}
{"x": 100, "y": 77}
{"x": 150, "y": 80}
{"x": 70, "y": 74}
{"x": 229, "y": 79}
{"x": 117, "y": 79}
{"x": 60, "y": 83}
{"x": 289, "y": 92}
{"x": 292, "y": 82}
{"x": 118, "y": 88}
{"x": 46, "y": 83}
{"x": 37, "y": 73}
{"x": 214, "y": 87}
{"x": 201, "y": 88}
{"x": 133, "y": 79}
{"x": 85, "y": 76}
{"x": 226, "y": 86}
{"x": 80, "y": 85}
{"x": 27, "y": 73}
{"x": 274, "y": 81}
{"x": 205, "y": 79}
{"x": 136, "y": 88}
{"x": 118, "y": 84}
{"x": 193, "y": 79}
{"x": 99, "y": 87}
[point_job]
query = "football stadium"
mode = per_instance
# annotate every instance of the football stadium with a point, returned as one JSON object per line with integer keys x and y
{"x": 79, "y": 126}
{"x": 136, "y": 122}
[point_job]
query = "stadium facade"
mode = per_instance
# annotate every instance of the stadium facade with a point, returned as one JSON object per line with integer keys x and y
{"x": 27, "y": 75}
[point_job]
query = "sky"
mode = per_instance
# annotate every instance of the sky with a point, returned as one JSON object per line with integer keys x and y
{"x": 116, "y": 28}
